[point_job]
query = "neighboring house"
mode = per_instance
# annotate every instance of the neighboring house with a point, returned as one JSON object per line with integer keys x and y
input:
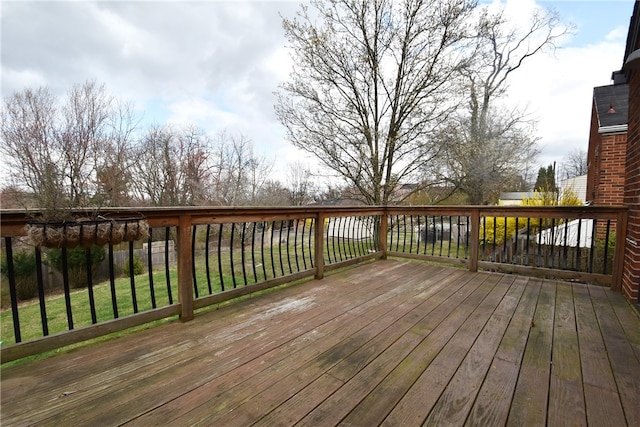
{"x": 608, "y": 143}
{"x": 578, "y": 232}
{"x": 577, "y": 185}
{"x": 514, "y": 198}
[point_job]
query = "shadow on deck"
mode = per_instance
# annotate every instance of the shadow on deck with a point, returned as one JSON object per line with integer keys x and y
{"x": 389, "y": 342}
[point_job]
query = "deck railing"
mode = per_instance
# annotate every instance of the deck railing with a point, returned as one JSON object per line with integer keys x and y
{"x": 196, "y": 257}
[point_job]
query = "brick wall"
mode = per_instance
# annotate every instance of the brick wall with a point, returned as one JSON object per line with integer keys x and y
{"x": 605, "y": 165}
{"x": 611, "y": 176}
{"x": 631, "y": 271}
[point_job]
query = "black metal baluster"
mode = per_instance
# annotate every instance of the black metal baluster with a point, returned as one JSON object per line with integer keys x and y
{"x": 593, "y": 244}
{"x": 358, "y": 228}
{"x": 243, "y": 256}
{"x": 264, "y": 265}
{"x": 220, "y": 257}
{"x": 311, "y": 240}
{"x": 466, "y": 235}
{"x": 273, "y": 263}
{"x": 193, "y": 261}
{"x": 433, "y": 238}
{"x": 458, "y": 238}
{"x": 495, "y": 230}
{"x": 442, "y": 235}
{"x": 112, "y": 283}
{"x": 553, "y": 241}
{"x": 304, "y": 258}
{"x": 528, "y": 240}
{"x": 484, "y": 237}
{"x": 67, "y": 288}
{"x": 504, "y": 242}
{"x": 41, "y": 298}
{"x": 207, "y": 265}
{"x": 166, "y": 264}
{"x": 152, "y": 289}
{"x": 253, "y": 252}
{"x": 426, "y": 233}
{"x": 327, "y": 243}
{"x": 295, "y": 245}
{"x": 348, "y": 237}
{"x": 565, "y": 249}
{"x": 231, "y": 263}
{"x": 12, "y": 290}
{"x": 280, "y": 248}
{"x": 288, "y": 251}
{"x": 132, "y": 283}
{"x": 412, "y": 231}
{"x": 577, "y": 264}
{"x": 404, "y": 234}
{"x": 92, "y": 301}
{"x": 419, "y": 236}
{"x": 390, "y": 231}
{"x": 340, "y": 236}
{"x": 606, "y": 246}
{"x": 540, "y": 262}
{"x": 515, "y": 248}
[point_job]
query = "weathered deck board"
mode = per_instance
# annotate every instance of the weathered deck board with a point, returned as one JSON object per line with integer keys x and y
{"x": 529, "y": 404}
{"x": 566, "y": 400}
{"x": 389, "y": 342}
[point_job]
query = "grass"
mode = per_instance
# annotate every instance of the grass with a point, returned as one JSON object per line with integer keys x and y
{"x": 29, "y": 312}
{"x": 56, "y": 309}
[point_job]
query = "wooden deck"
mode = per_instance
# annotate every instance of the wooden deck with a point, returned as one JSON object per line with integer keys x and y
{"x": 390, "y": 342}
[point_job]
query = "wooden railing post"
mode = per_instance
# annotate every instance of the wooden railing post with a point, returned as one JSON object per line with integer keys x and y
{"x": 618, "y": 265}
{"x": 382, "y": 236}
{"x": 318, "y": 252}
{"x": 185, "y": 285}
{"x": 474, "y": 229}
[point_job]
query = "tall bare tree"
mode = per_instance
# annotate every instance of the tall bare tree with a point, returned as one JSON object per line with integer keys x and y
{"x": 299, "y": 183}
{"x": 489, "y": 147}
{"x": 54, "y": 149}
{"x": 239, "y": 174}
{"x": 575, "y": 163}
{"x": 372, "y": 80}
{"x": 117, "y": 159}
{"x": 174, "y": 166}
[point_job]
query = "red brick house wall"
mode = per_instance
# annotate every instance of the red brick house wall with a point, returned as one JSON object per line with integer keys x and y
{"x": 613, "y": 151}
{"x": 631, "y": 269}
{"x": 608, "y": 143}
{"x": 631, "y": 272}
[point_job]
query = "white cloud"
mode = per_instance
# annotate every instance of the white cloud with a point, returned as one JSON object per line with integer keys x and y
{"x": 558, "y": 90}
{"x": 617, "y": 34}
{"x": 217, "y": 64}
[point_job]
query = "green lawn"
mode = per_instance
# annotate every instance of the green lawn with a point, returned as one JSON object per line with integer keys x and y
{"x": 56, "y": 311}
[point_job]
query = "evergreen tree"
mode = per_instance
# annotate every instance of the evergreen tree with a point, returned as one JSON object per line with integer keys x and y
{"x": 546, "y": 181}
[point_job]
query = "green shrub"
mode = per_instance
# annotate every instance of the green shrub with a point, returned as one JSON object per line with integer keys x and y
{"x": 24, "y": 268}
{"x": 138, "y": 267}
{"x": 76, "y": 263}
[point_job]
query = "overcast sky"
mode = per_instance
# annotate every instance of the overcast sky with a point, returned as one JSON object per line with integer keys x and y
{"x": 217, "y": 63}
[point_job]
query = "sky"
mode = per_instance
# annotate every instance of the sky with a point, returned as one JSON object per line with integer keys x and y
{"x": 217, "y": 64}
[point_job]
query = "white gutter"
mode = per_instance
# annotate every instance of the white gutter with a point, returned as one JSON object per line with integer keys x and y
{"x": 613, "y": 129}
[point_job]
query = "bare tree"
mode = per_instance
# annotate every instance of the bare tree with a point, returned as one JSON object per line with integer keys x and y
{"x": 482, "y": 167}
{"x": 299, "y": 183}
{"x": 575, "y": 163}
{"x": 372, "y": 80}
{"x": 55, "y": 149}
{"x": 173, "y": 167}
{"x": 488, "y": 147}
{"x": 118, "y": 158}
{"x": 239, "y": 175}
